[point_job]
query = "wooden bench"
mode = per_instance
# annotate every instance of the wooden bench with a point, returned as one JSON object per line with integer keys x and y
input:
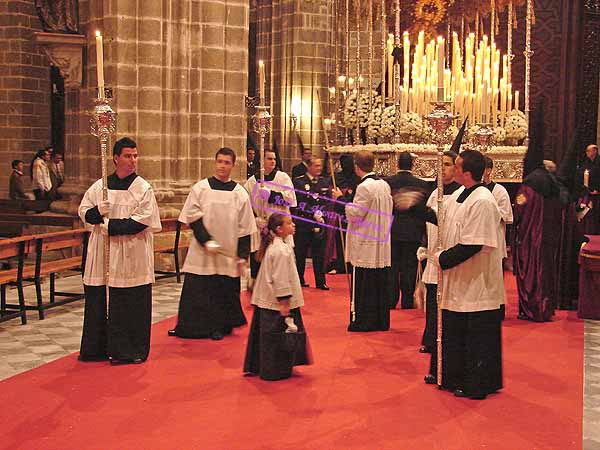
{"x": 47, "y": 219}
{"x": 61, "y": 240}
{"x": 12, "y": 228}
{"x": 169, "y": 226}
{"x": 14, "y": 248}
{"x": 19, "y": 206}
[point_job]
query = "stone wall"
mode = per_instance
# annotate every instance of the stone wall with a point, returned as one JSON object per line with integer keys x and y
{"x": 303, "y": 47}
{"x": 179, "y": 74}
{"x": 24, "y": 88}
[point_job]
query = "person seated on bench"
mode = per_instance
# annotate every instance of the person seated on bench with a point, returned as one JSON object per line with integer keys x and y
{"x": 129, "y": 218}
{"x": 16, "y": 184}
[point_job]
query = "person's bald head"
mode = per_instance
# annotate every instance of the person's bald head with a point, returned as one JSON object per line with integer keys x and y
{"x": 550, "y": 165}
{"x": 591, "y": 151}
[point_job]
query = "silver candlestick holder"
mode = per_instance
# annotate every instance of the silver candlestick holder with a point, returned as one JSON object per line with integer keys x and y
{"x": 262, "y": 126}
{"x": 483, "y": 136}
{"x": 103, "y": 124}
{"x": 440, "y": 119}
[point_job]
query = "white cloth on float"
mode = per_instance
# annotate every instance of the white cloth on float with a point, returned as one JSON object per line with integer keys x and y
{"x": 262, "y": 208}
{"x": 131, "y": 256}
{"x": 227, "y": 216}
{"x": 368, "y": 243}
{"x": 477, "y": 284}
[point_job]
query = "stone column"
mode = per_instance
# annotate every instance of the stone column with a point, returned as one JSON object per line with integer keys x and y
{"x": 24, "y": 88}
{"x": 298, "y": 40}
{"x": 178, "y": 71}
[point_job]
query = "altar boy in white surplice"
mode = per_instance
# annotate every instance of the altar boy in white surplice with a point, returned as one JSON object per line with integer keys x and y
{"x": 368, "y": 247}
{"x": 128, "y": 218}
{"x": 219, "y": 212}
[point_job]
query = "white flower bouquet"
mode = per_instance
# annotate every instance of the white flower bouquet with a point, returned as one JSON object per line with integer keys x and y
{"x": 515, "y": 125}
{"x": 350, "y": 108}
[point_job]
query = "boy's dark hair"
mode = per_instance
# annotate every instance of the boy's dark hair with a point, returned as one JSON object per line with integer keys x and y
{"x": 473, "y": 162}
{"x": 489, "y": 162}
{"x": 15, "y": 163}
{"x": 226, "y": 151}
{"x": 451, "y": 154}
{"x": 123, "y": 143}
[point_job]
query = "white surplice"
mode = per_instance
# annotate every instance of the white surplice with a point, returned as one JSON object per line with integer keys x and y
{"x": 503, "y": 199}
{"x": 430, "y": 274}
{"x": 227, "y": 216}
{"x": 131, "y": 256}
{"x": 281, "y": 183}
{"x": 476, "y": 284}
{"x": 278, "y": 277}
{"x": 368, "y": 243}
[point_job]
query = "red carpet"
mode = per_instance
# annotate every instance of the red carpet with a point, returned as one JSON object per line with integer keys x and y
{"x": 365, "y": 391}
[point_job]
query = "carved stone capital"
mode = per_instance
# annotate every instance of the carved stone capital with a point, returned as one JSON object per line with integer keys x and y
{"x": 65, "y": 51}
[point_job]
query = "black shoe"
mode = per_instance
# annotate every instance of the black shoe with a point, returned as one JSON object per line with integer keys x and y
{"x": 478, "y": 397}
{"x": 227, "y": 331}
{"x": 323, "y": 287}
{"x": 92, "y": 358}
{"x": 460, "y": 393}
{"x": 304, "y": 284}
{"x": 522, "y": 317}
{"x": 430, "y": 379}
{"x": 172, "y": 333}
{"x": 425, "y": 349}
{"x": 216, "y": 336}
{"x": 120, "y": 362}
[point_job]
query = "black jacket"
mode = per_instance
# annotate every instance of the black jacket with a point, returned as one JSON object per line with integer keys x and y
{"x": 408, "y": 226}
{"x": 298, "y": 170}
{"x": 310, "y": 197}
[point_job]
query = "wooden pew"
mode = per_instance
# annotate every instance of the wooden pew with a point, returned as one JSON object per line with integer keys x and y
{"x": 14, "y": 248}
{"x": 12, "y": 228}
{"x": 52, "y": 220}
{"x": 172, "y": 225}
{"x": 61, "y": 240}
{"x": 20, "y": 206}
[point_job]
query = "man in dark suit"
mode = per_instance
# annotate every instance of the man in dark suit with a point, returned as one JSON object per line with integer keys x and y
{"x": 312, "y": 189}
{"x": 300, "y": 169}
{"x": 407, "y": 233}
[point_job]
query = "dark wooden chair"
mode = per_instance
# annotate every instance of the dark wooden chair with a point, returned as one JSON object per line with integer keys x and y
{"x": 61, "y": 240}
{"x": 172, "y": 225}
{"x": 14, "y": 248}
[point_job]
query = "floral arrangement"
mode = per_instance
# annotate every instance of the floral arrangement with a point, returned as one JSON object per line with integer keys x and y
{"x": 472, "y": 133}
{"x": 451, "y": 133}
{"x": 499, "y": 136}
{"x": 515, "y": 125}
{"x": 412, "y": 126}
{"x": 350, "y": 108}
{"x": 374, "y": 126}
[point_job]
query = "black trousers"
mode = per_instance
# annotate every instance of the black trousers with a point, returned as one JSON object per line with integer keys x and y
{"x": 404, "y": 272}
{"x": 471, "y": 352}
{"x": 430, "y": 331}
{"x": 303, "y": 240}
{"x": 123, "y": 333}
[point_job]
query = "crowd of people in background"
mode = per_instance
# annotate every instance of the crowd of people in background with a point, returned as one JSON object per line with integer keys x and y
{"x": 46, "y": 176}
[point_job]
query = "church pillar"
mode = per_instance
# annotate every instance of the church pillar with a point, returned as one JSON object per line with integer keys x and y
{"x": 299, "y": 42}
{"x": 178, "y": 72}
{"x": 295, "y": 41}
{"x": 24, "y": 88}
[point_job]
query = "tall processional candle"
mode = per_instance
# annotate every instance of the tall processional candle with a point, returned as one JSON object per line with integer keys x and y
{"x": 516, "y": 99}
{"x": 440, "y": 69}
{"x": 261, "y": 81}
{"x": 100, "y": 64}
{"x": 390, "y": 69}
{"x": 484, "y": 103}
{"x": 586, "y": 178}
